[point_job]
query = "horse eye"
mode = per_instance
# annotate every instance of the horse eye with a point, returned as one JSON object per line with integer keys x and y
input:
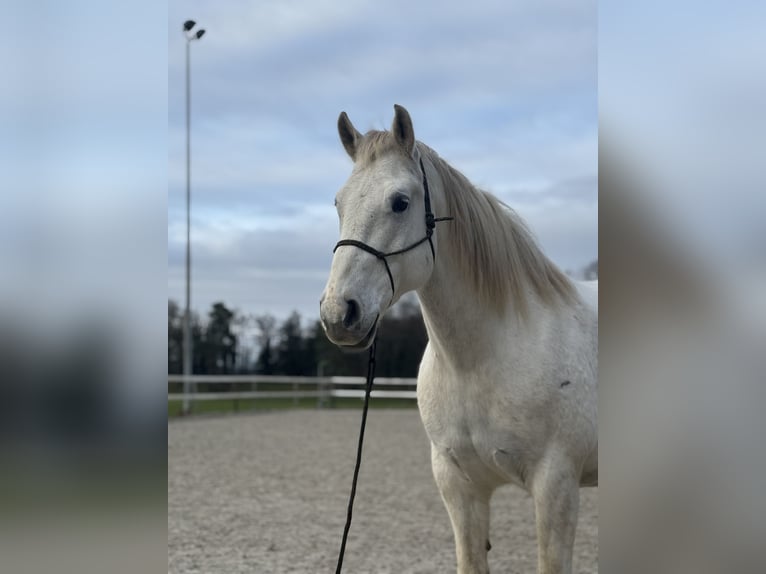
{"x": 400, "y": 204}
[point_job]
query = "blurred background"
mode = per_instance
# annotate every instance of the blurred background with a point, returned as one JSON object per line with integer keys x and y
{"x": 83, "y": 179}
{"x": 92, "y": 169}
{"x": 682, "y": 197}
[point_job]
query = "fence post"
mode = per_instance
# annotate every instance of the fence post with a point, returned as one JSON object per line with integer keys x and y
{"x": 322, "y": 386}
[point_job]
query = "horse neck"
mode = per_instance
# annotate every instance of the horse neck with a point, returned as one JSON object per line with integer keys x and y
{"x": 456, "y": 325}
{"x": 461, "y": 328}
{"x": 465, "y": 332}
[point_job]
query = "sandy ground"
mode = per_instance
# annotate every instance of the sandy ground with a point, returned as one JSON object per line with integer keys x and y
{"x": 267, "y": 493}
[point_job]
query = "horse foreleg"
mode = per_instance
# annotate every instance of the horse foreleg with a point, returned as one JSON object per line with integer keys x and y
{"x": 468, "y": 508}
{"x": 556, "y": 492}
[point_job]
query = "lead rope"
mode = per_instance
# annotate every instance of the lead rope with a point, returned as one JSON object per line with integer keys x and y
{"x": 367, "y": 390}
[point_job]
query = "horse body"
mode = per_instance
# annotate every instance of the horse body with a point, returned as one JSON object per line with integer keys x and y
{"x": 507, "y": 385}
{"x": 513, "y": 404}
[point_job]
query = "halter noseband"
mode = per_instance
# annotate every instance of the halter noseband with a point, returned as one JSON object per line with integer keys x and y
{"x": 431, "y": 222}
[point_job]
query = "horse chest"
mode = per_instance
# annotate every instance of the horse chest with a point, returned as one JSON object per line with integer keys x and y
{"x": 478, "y": 430}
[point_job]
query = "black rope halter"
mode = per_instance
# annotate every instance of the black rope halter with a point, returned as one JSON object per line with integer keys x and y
{"x": 431, "y": 222}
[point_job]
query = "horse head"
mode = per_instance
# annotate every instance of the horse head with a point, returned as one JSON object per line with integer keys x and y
{"x": 385, "y": 251}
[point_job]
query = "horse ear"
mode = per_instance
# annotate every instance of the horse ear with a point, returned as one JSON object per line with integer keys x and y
{"x": 349, "y": 137}
{"x": 402, "y": 129}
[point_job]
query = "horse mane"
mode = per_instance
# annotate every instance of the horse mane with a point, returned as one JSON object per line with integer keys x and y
{"x": 490, "y": 242}
{"x": 375, "y": 144}
{"x": 494, "y": 247}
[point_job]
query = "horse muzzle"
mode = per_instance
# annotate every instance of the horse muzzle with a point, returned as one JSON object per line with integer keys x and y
{"x": 346, "y": 325}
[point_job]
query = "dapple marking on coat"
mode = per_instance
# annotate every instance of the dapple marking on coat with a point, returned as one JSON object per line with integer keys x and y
{"x": 507, "y": 385}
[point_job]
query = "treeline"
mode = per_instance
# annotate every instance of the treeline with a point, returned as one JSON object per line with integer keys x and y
{"x": 227, "y": 342}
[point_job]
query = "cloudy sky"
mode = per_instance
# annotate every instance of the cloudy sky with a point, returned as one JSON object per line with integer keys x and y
{"x": 504, "y": 91}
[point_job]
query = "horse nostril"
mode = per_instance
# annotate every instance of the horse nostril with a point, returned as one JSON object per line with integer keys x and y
{"x": 352, "y": 313}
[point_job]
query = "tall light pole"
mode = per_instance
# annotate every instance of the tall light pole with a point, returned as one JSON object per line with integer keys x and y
{"x": 188, "y": 351}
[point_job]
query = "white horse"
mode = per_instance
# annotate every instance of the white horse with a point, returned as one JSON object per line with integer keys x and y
{"x": 507, "y": 385}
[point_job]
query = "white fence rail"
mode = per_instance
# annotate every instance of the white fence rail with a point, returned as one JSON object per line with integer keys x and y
{"x": 323, "y": 389}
